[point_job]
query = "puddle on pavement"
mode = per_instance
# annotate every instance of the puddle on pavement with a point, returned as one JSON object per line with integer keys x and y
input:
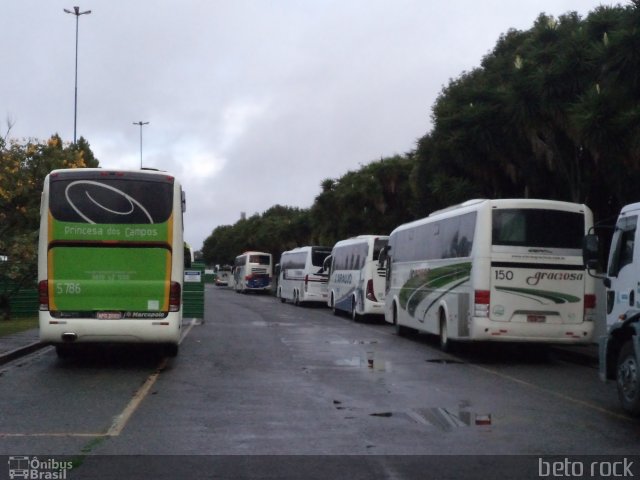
{"x": 445, "y": 419}
{"x": 373, "y": 361}
{"x": 349, "y": 362}
{"x": 262, "y": 323}
{"x": 445, "y": 361}
{"x": 352, "y": 342}
{"x": 382, "y": 414}
{"x": 448, "y": 419}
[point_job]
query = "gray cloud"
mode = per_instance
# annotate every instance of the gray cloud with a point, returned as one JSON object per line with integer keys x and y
{"x": 250, "y": 103}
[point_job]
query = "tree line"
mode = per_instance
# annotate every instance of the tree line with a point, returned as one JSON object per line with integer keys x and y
{"x": 23, "y": 166}
{"x": 552, "y": 112}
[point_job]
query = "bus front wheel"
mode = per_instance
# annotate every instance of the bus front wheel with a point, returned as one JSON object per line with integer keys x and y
{"x": 401, "y": 330}
{"x": 627, "y": 379}
{"x": 333, "y": 305}
{"x": 354, "y": 311}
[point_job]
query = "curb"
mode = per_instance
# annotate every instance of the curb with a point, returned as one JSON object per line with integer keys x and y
{"x": 20, "y": 352}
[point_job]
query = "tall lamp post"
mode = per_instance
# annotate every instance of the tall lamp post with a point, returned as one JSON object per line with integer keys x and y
{"x": 141, "y": 123}
{"x": 76, "y": 11}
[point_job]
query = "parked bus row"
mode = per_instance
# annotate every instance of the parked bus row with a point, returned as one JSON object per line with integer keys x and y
{"x": 111, "y": 260}
{"x": 487, "y": 270}
{"x": 506, "y": 270}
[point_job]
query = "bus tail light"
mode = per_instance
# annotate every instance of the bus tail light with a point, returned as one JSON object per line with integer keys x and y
{"x": 589, "y": 306}
{"x": 482, "y": 299}
{"x": 370, "y": 293}
{"x": 43, "y": 295}
{"x": 175, "y": 294}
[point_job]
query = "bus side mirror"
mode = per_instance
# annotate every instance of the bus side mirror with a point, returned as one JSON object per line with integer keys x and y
{"x": 590, "y": 252}
{"x": 384, "y": 256}
{"x": 326, "y": 265}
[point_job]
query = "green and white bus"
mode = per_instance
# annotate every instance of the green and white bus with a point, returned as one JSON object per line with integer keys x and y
{"x": 495, "y": 270}
{"x": 111, "y": 258}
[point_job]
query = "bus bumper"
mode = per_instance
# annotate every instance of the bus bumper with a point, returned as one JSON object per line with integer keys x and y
{"x": 90, "y": 330}
{"x": 482, "y": 328}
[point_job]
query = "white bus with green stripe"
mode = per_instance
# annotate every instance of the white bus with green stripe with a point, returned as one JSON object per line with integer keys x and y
{"x": 506, "y": 270}
{"x": 111, "y": 258}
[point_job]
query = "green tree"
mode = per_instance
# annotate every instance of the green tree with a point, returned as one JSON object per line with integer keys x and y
{"x": 23, "y": 166}
{"x": 276, "y": 230}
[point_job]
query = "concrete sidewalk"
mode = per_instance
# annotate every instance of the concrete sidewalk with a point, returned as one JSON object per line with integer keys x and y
{"x": 18, "y": 344}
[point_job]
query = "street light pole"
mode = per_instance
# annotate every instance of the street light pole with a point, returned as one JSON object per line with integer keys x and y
{"x": 141, "y": 123}
{"x": 76, "y": 11}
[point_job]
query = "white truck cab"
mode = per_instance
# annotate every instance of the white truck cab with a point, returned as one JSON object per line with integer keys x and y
{"x": 620, "y": 348}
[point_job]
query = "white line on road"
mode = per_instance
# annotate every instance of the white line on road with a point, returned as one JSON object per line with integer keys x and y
{"x": 121, "y": 419}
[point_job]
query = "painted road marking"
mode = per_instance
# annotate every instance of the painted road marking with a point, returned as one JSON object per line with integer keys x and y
{"x": 121, "y": 420}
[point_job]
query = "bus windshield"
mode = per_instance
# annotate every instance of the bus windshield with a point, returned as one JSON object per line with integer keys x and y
{"x": 538, "y": 228}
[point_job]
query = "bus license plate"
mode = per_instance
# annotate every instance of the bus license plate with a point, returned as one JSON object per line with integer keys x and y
{"x": 109, "y": 315}
{"x": 536, "y": 318}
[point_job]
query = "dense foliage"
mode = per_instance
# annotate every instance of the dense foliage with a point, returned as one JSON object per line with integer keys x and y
{"x": 23, "y": 166}
{"x": 552, "y": 112}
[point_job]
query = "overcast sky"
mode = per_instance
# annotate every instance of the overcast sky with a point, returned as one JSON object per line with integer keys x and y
{"x": 251, "y": 103}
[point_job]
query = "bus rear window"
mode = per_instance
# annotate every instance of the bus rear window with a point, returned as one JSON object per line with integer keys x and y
{"x": 538, "y": 228}
{"x": 260, "y": 259}
{"x": 110, "y": 200}
{"x": 378, "y": 245}
{"x": 318, "y": 255}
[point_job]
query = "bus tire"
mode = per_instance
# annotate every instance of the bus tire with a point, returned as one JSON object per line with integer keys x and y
{"x": 628, "y": 380}
{"x": 171, "y": 350}
{"x": 64, "y": 352}
{"x": 401, "y": 330}
{"x": 354, "y": 310}
{"x": 445, "y": 342}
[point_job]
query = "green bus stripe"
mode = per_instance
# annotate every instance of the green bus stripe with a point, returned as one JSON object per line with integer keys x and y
{"x": 556, "y": 297}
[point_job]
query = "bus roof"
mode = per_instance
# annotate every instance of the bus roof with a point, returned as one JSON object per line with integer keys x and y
{"x": 97, "y": 173}
{"x": 477, "y": 204}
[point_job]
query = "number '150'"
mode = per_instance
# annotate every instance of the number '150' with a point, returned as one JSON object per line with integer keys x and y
{"x": 504, "y": 275}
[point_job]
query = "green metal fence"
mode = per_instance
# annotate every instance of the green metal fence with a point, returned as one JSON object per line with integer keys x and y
{"x": 193, "y": 291}
{"x": 24, "y": 302}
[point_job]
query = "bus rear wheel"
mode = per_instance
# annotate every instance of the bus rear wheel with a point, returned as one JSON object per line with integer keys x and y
{"x": 65, "y": 352}
{"x": 445, "y": 343}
